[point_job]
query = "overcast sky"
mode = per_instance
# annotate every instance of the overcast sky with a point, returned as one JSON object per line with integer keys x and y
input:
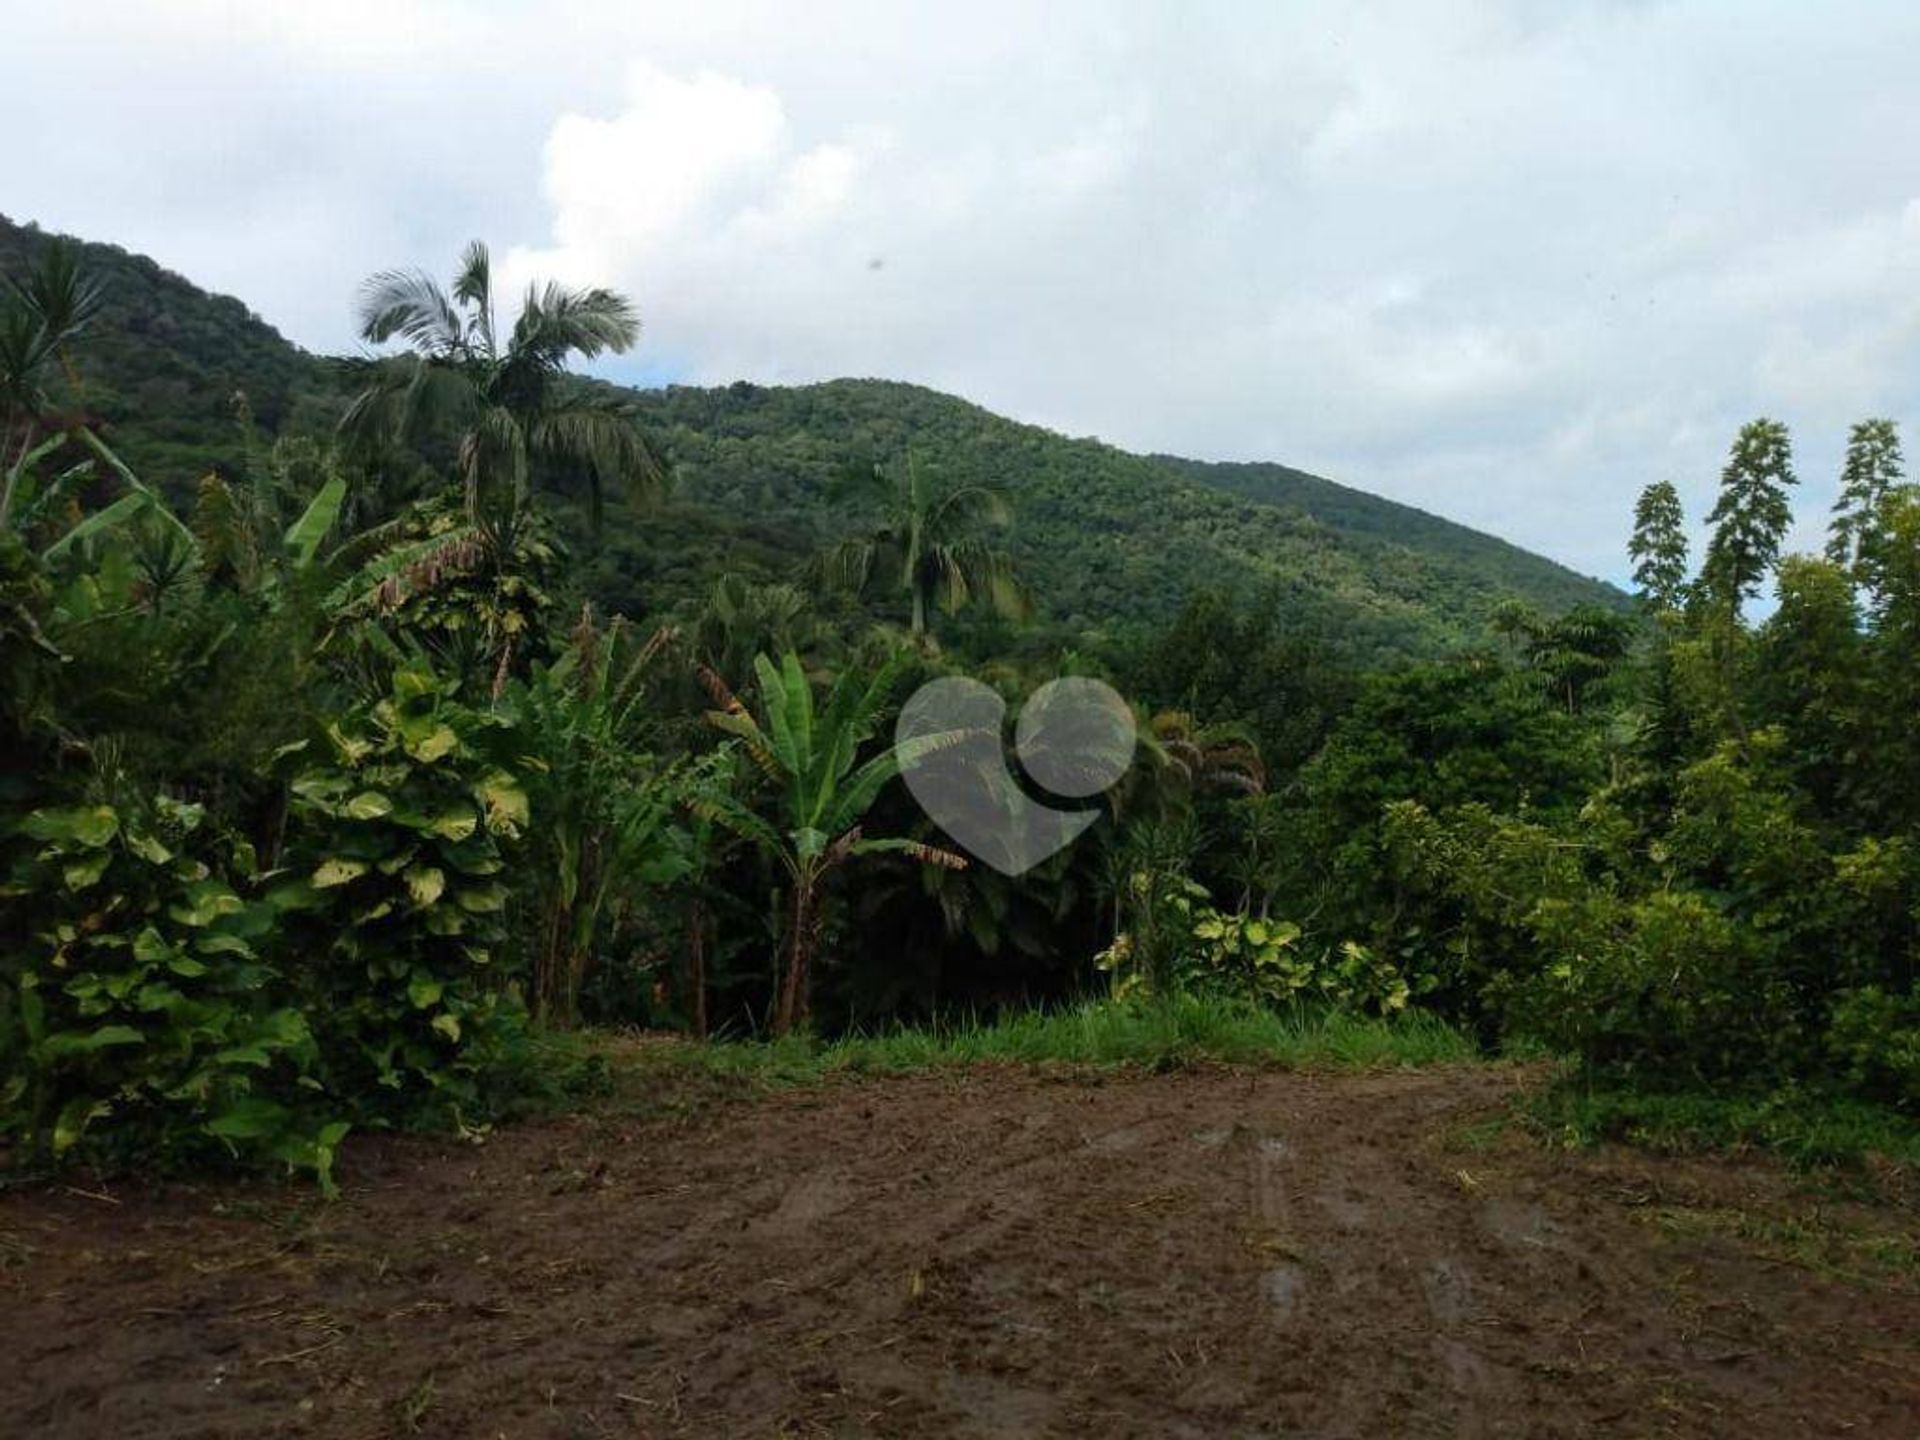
{"x": 1506, "y": 261}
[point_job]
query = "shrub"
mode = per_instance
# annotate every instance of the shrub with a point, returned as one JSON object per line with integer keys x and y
{"x": 1875, "y": 1038}
{"x": 1234, "y": 956}
{"x": 146, "y": 1016}
{"x": 395, "y": 868}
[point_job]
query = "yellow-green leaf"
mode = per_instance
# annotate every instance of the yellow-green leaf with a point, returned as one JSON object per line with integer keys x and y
{"x": 338, "y": 872}
{"x": 426, "y": 882}
{"x": 81, "y": 874}
{"x": 436, "y": 744}
{"x": 483, "y": 901}
{"x": 505, "y": 802}
{"x": 369, "y": 805}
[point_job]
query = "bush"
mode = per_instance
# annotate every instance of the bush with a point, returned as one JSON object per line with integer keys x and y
{"x": 146, "y": 1016}
{"x": 1875, "y": 1037}
{"x": 1248, "y": 959}
{"x": 396, "y": 858}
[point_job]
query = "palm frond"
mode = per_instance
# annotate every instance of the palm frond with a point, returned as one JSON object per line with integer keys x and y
{"x": 989, "y": 576}
{"x": 473, "y": 287}
{"x": 410, "y": 304}
{"x": 305, "y": 535}
{"x": 557, "y": 322}
{"x": 408, "y": 397}
{"x": 968, "y": 505}
{"x": 606, "y": 445}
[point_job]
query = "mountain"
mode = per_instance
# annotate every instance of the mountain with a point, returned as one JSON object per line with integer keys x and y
{"x": 162, "y": 362}
{"x": 1107, "y": 540}
{"x": 1362, "y": 519}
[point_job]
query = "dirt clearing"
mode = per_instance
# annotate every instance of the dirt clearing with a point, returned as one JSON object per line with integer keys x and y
{"x": 988, "y": 1253}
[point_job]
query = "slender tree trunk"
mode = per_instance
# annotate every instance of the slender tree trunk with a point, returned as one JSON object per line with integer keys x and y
{"x": 697, "y": 953}
{"x": 792, "y": 1006}
{"x": 919, "y": 611}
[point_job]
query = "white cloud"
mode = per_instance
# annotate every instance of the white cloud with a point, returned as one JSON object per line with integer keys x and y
{"x": 1506, "y": 259}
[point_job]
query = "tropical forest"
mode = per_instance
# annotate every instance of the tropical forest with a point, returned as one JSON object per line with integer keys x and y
{"x": 473, "y": 959}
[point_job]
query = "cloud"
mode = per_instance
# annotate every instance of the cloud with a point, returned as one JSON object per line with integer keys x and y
{"x": 1508, "y": 260}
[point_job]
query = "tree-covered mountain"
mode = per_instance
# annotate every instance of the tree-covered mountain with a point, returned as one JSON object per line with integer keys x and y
{"x": 1105, "y": 540}
{"x": 160, "y": 365}
{"x": 1361, "y": 518}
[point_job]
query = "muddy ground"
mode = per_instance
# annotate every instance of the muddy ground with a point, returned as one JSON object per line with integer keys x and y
{"x": 994, "y": 1253}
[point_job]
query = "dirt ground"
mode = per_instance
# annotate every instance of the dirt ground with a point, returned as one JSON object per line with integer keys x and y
{"x": 990, "y": 1253}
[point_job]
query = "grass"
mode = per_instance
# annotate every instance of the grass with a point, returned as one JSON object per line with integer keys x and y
{"x": 1814, "y": 1240}
{"x": 1160, "y": 1035}
{"x": 1805, "y": 1127}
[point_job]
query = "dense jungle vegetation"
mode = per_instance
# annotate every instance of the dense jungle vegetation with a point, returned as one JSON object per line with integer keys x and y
{"x": 366, "y": 720}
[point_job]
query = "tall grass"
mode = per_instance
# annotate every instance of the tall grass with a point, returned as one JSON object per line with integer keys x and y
{"x": 1158, "y": 1035}
{"x": 1807, "y": 1128}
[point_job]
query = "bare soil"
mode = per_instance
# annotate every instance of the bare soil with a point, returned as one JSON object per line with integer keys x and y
{"x": 987, "y": 1253}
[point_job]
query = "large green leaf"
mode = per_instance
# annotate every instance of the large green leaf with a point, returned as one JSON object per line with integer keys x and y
{"x": 252, "y": 1117}
{"x": 337, "y": 872}
{"x": 85, "y": 1042}
{"x": 89, "y": 825}
{"x": 305, "y": 535}
{"x": 121, "y": 512}
{"x": 505, "y": 802}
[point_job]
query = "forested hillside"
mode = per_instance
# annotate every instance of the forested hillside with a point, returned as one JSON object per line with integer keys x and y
{"x": 164, "y": 359}
{"x": 1373, "y": 526}
{"x": 1106, "y": 541}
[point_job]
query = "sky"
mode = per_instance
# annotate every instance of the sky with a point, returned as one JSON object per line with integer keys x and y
{"x": 1506, "y": 260}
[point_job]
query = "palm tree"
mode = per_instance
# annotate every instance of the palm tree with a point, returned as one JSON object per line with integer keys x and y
{"x": 512, "y": 407}
{"x": 809, "y": 754}
{"x": 743, "y": 618}
{"x": 927, "y": 544}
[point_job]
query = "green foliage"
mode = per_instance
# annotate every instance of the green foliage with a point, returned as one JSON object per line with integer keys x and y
{"x": 1155, "y": 1034}
{"x": 1751, "y": 517}
{"x": 1874, "y": 468}
{"x": 1433, "y": 773}
{"x": 1110, "y": 544}
{"x": 1658, "y": 548}
{"x": 1809, "y": 1128}
{"x": 607, "y": 840}
{"x": 823, "y": 793}
{"x": 1262, "y": 961}
{"x": 160, "y": 362}
{"x": 1875, "y": 1036}
{"x": 1237, "y": 660}
{"x": 927, "y": 545}
{"x": 396, "y": 882}
{"x": 480, "y": 606}
{"x": 144, "y": 1016}
{"x": 505, "y": 399}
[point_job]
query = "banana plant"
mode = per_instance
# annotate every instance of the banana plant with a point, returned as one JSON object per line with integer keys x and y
{"x": 822, "y": 795}
{"x": 301, "y": 545}
{"x": 608, "y": 834}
